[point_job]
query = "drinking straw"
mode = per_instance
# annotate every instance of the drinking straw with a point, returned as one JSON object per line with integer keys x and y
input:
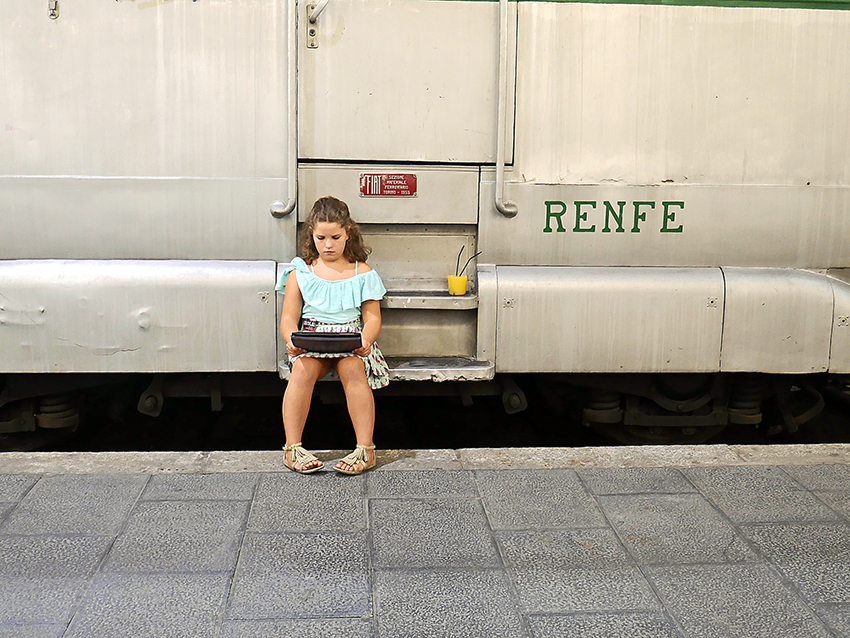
{"x": 467, "y": 261}
{"x": 457, "y": 265}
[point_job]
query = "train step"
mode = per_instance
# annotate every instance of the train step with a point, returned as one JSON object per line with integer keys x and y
{"x": 432, "y": 369}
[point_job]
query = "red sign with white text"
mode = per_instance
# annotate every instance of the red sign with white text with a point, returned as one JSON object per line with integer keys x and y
{"x": 387, "y": 185}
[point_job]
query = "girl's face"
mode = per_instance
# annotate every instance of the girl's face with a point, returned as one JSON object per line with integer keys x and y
{"x": 329, "y": 238}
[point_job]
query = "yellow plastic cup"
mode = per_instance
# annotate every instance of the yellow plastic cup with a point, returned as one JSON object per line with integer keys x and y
{"x": 457, "y": 285}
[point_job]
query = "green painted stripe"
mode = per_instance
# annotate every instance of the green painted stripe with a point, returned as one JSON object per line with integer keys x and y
{"x": 842, "y": 5}
{"x": 838, "y": 5}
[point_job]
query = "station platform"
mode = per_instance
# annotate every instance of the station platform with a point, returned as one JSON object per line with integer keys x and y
{"x": 690, "y": 542}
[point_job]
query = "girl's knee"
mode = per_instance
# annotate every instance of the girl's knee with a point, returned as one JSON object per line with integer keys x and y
{"x": 309, "y": 368}
{"x": 351, "y": 369}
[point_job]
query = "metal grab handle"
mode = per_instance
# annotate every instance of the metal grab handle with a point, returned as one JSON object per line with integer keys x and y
{"x": 509, "y": 208}
{"x": 279, "y": 209}
{"x": 314, "y": 14}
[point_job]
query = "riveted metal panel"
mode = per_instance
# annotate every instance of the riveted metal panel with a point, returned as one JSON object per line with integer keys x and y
{"x": 137, "y": 316}
{"x": 609, "y": 319}
{"x": 776, "y": 321}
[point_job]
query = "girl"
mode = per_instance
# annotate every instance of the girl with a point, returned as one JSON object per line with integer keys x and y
{"x": 332, "y": 290}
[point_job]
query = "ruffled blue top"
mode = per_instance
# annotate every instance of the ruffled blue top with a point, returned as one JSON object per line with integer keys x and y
{"x": 332, "y": 301}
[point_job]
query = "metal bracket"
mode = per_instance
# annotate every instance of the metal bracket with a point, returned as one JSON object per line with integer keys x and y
{"x": 53, "y": 9}
{"x": 312, "y": 28}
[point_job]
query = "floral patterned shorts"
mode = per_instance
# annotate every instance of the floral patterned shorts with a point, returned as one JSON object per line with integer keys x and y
{"x": 377, "y": 370}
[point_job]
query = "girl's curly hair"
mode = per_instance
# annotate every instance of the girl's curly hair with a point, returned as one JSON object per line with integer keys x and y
{"x": 335, "y": 211}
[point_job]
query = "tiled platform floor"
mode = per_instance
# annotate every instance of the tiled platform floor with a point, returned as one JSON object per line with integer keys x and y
{"x": 521, "y": 545}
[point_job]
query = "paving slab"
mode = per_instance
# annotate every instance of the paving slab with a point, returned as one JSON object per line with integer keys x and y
{"x": 220, "y": 487}
{"x": 310, "y": 628}
{"x": 653, "y": 480}
{"x": 838, "y": 501}
{"x": 431, "y": 533}
{"x": 537, "y": 499}
{"x": 446, "y": 603}
{"x": 836, "y": 617}
{"x": 559, "y": 571}
{"x": 674, "y": 528}
{"x": 814, "y": 557}
{"x": 13, "y": 487}
{"x": 95, "y": 505}
{"x": 821, "y": 477}
{"x": 32, "y": 631}
{"x": 734, "y": 601}
{"x": 604, "y": 625}
{"x": 758, "y": 494}
{"x": 151, "y": 606}
{"x": 180, "y": 536}
{"x": 324, "y": 501}
{"x": 38, "y": 599}
{"x": 415, "y": 483}
{"x": 301, "y": 576}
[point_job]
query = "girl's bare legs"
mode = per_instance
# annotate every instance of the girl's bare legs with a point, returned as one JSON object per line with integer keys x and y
{"x": 361, "y": 403}
{"x": 296, "y": 399}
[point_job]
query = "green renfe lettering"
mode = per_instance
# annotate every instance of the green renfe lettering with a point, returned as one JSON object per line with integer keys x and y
{"x": 557, "y": 215}
{"x": 582, "y": 217}
{"x": 639, "y": 216}
{"x": 670, "y": 216}
{"x": 588, "y": 216}
{"x": 618, "y": 217}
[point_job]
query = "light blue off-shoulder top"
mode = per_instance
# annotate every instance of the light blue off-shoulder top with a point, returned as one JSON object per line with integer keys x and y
{"x": 332, "y": 301}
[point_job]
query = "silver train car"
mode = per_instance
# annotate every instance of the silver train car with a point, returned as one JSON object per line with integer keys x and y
{"x": 659, "y": 192}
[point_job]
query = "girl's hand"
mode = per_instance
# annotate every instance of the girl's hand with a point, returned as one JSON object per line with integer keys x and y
{"x": 292, "y": 351}
{"x": 365, "y": 349}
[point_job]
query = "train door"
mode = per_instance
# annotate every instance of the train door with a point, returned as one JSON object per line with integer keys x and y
{"x": 397, "y": 113}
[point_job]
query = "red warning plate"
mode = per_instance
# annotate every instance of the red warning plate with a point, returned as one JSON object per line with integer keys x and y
{"x": 387, "y": 185}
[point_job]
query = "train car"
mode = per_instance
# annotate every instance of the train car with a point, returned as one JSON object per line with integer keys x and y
{"x": 657, "y": 193}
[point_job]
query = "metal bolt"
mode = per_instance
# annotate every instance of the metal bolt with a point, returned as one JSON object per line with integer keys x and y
{"x": 151, "y": 403}
{"x": 514, "y": 400}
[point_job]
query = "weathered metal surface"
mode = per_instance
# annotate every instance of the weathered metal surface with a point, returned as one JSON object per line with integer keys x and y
{"x": 136, "y": 316}
{"x": 419, "y": 257}
{"x": 139, "y": 218}
{"x": 721, "y": 225}
{"x": 429, "y": 301}
{"x": 609, "y": 319}
{"x": 402, "y": 81}
{"x": 776, "y": 321}
{"x": 443, "y": 195}
{"x": 839, "y": 349}
{"x": 637, "y": 94}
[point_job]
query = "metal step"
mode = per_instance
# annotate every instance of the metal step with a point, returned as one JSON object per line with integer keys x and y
{"x": 429, "y": 300}
{"x": 431, "y": 369}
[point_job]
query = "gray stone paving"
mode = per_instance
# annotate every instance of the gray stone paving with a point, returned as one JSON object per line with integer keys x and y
{"x": 455, "y": 548}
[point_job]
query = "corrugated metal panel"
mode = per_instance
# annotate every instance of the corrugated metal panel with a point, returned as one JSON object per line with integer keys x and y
{"x": 137, "y": 316}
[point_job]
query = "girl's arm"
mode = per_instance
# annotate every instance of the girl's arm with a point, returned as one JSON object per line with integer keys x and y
{"x": 291, "y": 313}
{"x": 371, "y": 311}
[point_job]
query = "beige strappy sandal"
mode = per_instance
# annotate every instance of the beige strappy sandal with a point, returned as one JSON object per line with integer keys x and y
{"x": 357, "y": 457}
{"x": 301, "y": 457}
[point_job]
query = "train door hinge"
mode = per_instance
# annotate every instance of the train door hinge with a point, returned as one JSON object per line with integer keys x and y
{"x": 53, "y": 9}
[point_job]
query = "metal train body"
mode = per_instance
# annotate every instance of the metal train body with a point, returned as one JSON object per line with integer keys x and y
{"x": 657, "y": 191}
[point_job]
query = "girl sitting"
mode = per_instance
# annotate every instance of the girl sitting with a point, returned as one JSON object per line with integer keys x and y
{"x": 332, "y": 290}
